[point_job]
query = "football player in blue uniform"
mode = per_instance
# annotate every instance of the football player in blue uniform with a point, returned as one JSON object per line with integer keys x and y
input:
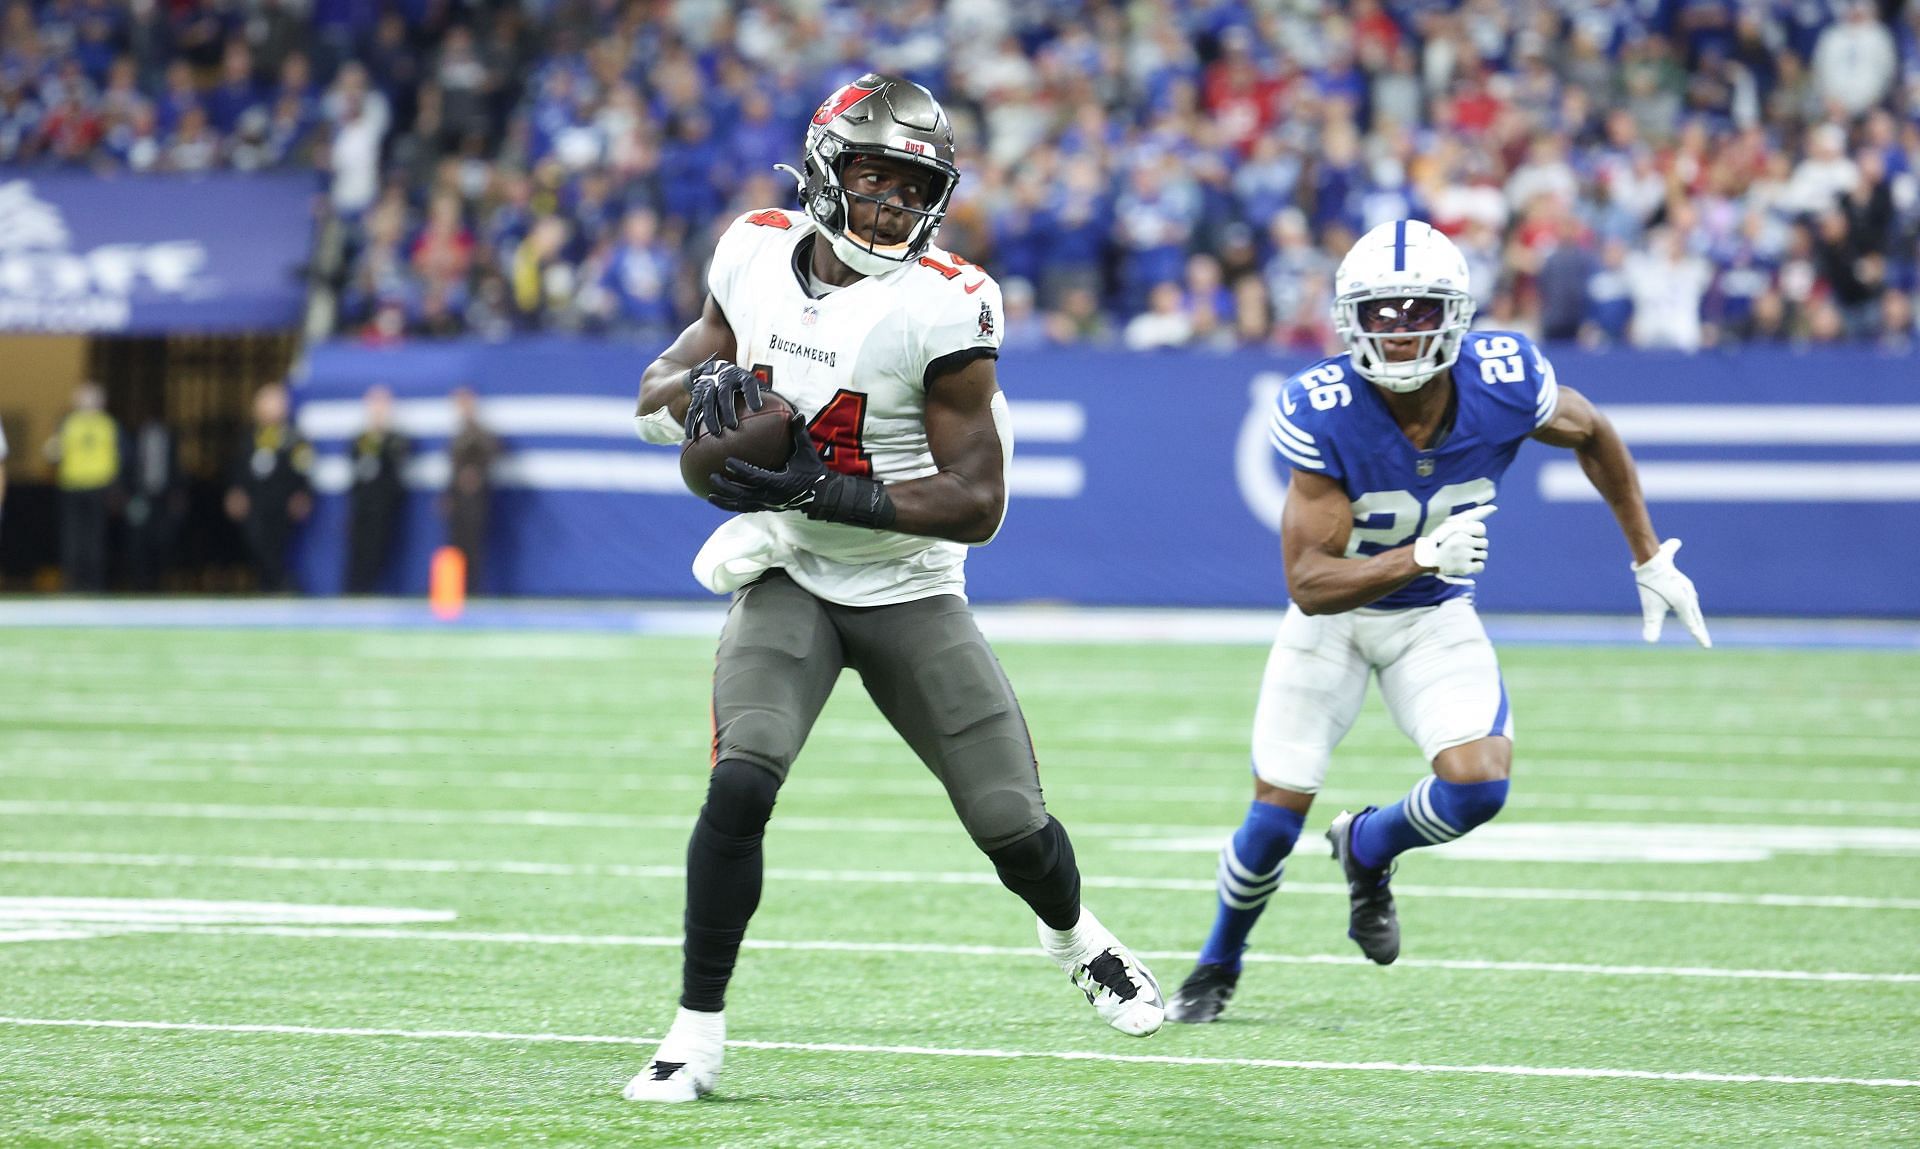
{"x": 1397, "y": 448}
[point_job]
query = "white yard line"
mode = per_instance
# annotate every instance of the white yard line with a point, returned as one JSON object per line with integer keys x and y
{"x": 391, "y": 933}
{"x": 572, "y": 819}
{"x": 1520, "y": 840}
{"x": 921, "y": 877}
{"x": 914, "y": 785}
{"x": 502, "y": 720}
{"x": 1697, "y": 1076}
{"x": 103, "y": 747}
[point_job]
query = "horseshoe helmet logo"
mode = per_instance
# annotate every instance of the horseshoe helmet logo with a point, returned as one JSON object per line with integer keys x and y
{"x": 1257, "y": 469}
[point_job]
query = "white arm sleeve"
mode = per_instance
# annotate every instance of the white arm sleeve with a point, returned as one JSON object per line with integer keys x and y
{"x": 659, "y": 427}
{"x": 1002, "y": 426}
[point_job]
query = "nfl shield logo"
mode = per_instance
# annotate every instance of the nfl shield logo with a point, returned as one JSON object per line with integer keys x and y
{"x": 1424, "y": 468}
{"x": 809, "y": 315}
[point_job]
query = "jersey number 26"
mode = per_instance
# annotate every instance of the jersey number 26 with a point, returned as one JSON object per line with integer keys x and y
{"x": 1404, "y": 517}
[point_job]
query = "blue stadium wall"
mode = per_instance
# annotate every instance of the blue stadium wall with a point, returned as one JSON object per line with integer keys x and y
{"x": 1794, "y": 479}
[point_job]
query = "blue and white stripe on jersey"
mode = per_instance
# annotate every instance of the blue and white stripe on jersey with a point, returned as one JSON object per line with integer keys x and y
{"x": 1296, "y": 445}
{"x": 1548, "y": 401}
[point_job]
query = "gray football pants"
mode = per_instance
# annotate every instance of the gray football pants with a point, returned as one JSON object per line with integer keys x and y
{"x": 925, "y": 665}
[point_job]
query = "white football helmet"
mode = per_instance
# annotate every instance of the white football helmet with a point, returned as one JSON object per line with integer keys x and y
{"x": 1402, "y": 280}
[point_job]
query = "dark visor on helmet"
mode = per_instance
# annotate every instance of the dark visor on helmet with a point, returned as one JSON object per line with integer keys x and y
{"x": 1412, "y": 314}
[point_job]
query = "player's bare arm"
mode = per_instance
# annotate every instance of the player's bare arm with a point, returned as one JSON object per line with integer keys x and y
{"x": 1603, "y": 455}
{"x": 1314, "y": 529}
{"x": 665, "y": 381}
{"x": 1579, "y": 425}
{"x": 967, "y": 498}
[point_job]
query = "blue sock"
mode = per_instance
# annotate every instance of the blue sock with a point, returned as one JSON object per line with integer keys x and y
{"x": 1434, "y": 811}
{"x": 1250, "y": 868}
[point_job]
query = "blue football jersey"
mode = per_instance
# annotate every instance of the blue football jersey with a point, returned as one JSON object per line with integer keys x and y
{"x": 1330, "y": 421}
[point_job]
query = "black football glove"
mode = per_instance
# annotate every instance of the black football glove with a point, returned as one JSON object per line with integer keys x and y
{"x": 804, "y": 484}
{"x": 713, "y": 390}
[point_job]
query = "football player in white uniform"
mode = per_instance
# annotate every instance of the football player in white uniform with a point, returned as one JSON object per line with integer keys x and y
{"x": 1396, "y": 449}
{"x": 852, "y": 554}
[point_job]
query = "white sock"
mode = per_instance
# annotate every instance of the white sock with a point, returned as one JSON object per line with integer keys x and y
{"x": 1076, "y": 942}
{"x": 693, "y": 1027}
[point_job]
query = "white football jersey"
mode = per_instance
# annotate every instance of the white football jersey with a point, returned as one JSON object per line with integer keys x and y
{"x": 854, "y": 363}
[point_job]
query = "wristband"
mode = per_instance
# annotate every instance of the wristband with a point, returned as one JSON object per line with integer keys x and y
{"x": 854, "y": 501}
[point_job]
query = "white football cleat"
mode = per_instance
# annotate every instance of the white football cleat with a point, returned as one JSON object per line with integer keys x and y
{"x": 687, "y": 1064}
{"x": 1121, "y": 989}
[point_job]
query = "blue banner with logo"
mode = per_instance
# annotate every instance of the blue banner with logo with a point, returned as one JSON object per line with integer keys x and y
{"x": 1146, "y": 479}
{"x": 151, "y": 254}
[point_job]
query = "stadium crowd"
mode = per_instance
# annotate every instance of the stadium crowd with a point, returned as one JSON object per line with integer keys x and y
{"x": 1654, "y": 173}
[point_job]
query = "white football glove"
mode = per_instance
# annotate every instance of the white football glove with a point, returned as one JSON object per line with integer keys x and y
{"x": 1664, "y": 588}
{"x": 1457, "y": 547}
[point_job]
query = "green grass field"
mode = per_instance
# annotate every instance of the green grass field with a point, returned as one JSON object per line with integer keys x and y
{"x": 1743, "y": 970}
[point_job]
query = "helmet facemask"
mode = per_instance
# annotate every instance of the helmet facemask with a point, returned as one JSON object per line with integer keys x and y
{"x": 830, "y": 202}
{"x": 1436, "y": 317}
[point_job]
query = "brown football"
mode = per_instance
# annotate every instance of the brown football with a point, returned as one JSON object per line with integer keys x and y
{"x": 762, "y": 438}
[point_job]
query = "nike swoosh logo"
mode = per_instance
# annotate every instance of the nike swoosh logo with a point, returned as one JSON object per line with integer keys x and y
{"x": 970, "y": 288}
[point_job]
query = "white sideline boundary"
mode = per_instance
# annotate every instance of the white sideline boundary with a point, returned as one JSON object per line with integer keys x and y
{"x": 1473, "y": 965}
{"x": 1692, "y": 1076}
{"x": 920, "y": 877}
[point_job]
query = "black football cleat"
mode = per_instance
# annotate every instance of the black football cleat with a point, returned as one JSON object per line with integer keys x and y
{"x": 1371, "y": 921}
{"x": 1204, "y": 994}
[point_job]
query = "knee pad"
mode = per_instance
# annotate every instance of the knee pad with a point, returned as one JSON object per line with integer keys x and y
{"x": 1034, "y": 856}
{"x": 1464, "y": 805}
{"x": 740, "y": 798}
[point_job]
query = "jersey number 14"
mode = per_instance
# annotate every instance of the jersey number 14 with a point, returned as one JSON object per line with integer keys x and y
{"x": 837, "y": 430}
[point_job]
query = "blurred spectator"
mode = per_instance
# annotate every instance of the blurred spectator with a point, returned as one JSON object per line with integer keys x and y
{"x": 1154, "y": 219}
{"x": 1824, "y": 175}
{"x": 1854, "y": 62}
{"x": 467, "y": 503}
{"x": 1609, "y": 298}
{"x": 85, "y": 452}
{"x": 1564, "y": 274}
{"x": 1165, "y": 323}
{"x": 542, "y": 279}
{"x": 1252, "y": 317}
{"x": 1079, "y": 319}
{"x": 156, "y": 501}
{"x": 1667, "y": 284}
{"x": 359, "y": 119}
{"x": 1102, "y": 145}
{"x": 1023, "y": 327}
{"x": 633, "y": 284}
{"x": 269, "y": 491}
{"x": 1897, "y": 324}
{"x": 377, "y": 500}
